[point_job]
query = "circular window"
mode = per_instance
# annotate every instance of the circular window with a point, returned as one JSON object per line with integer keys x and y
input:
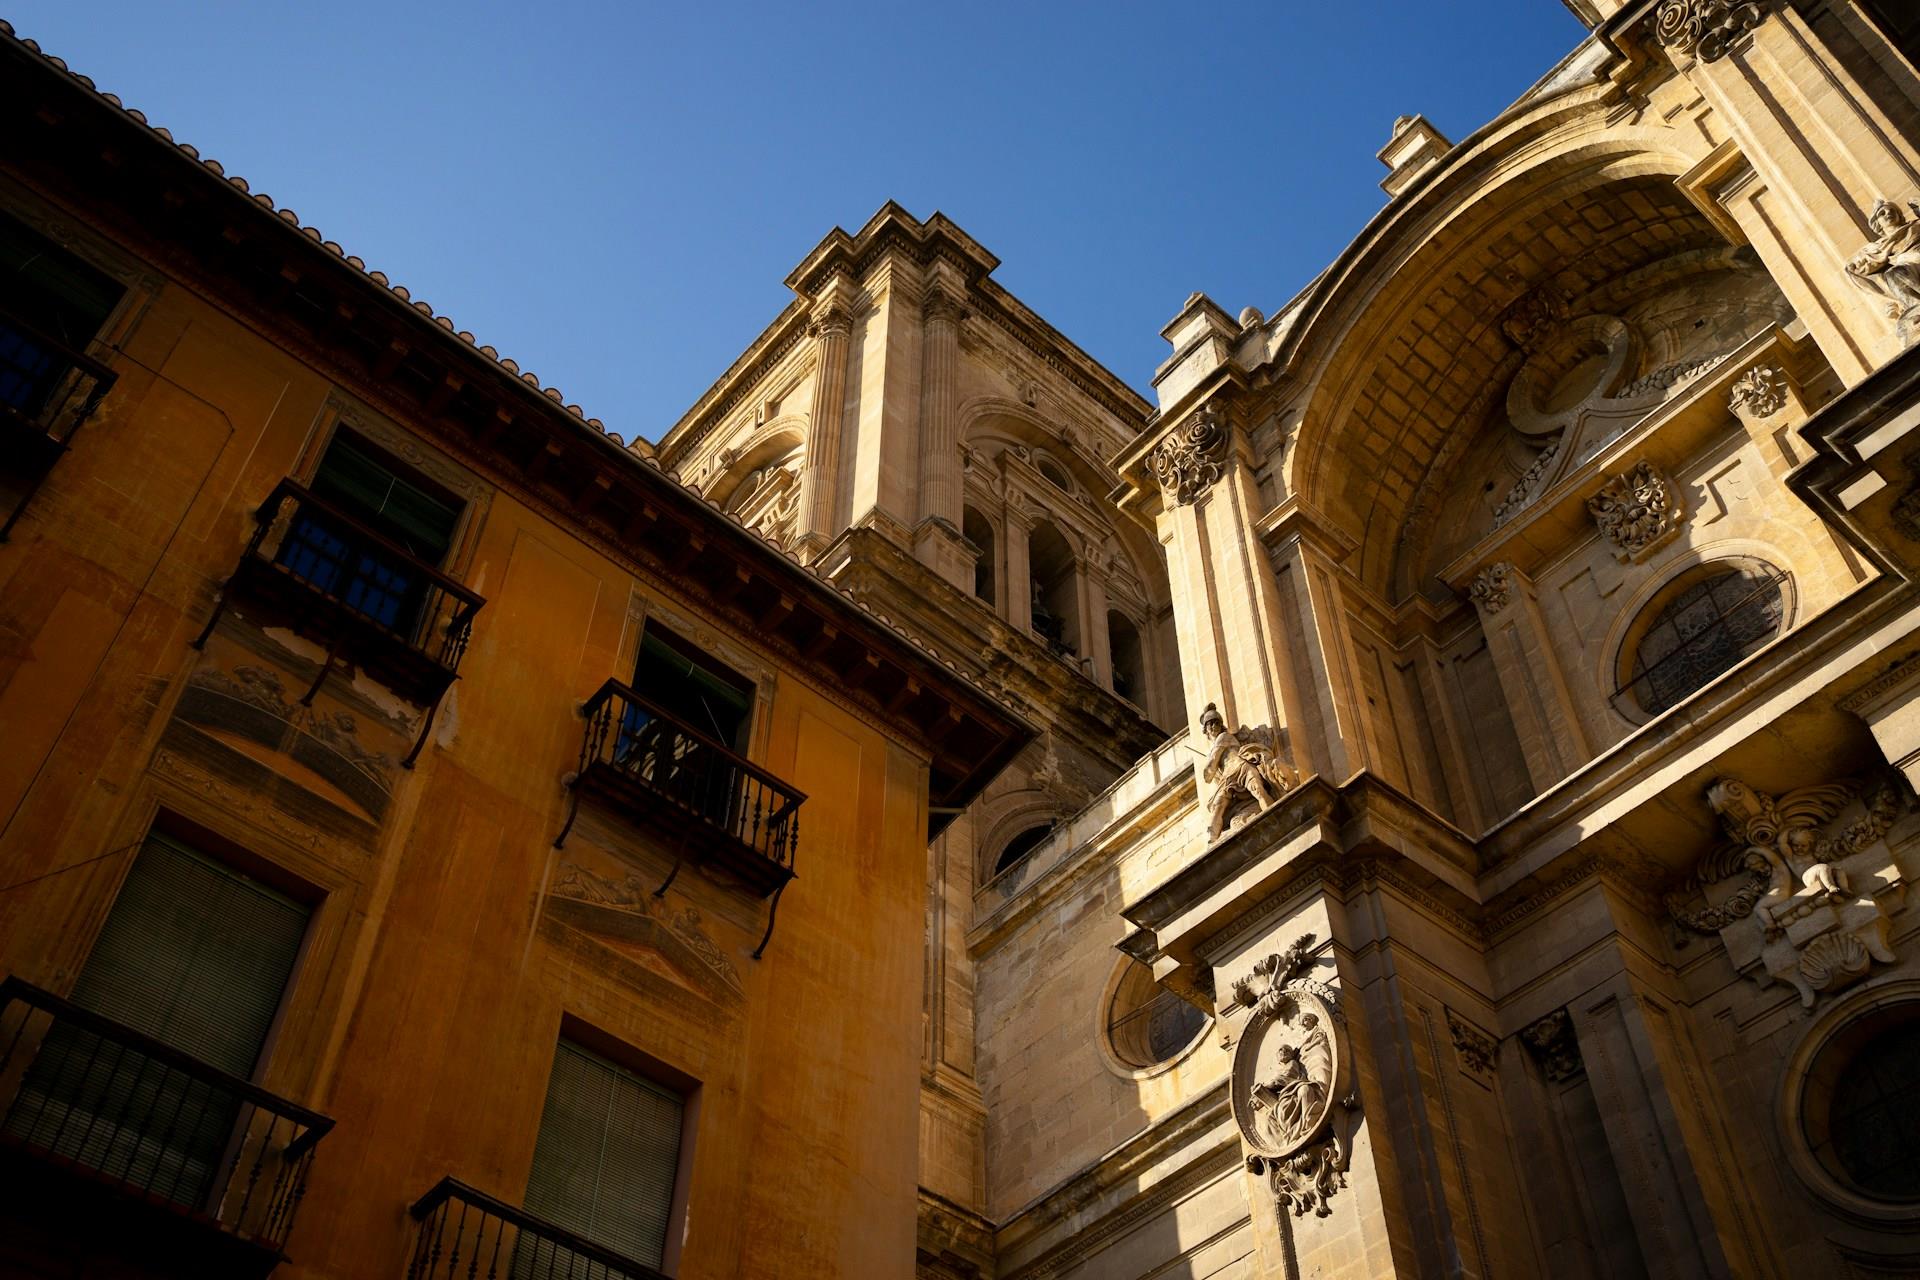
{"x": 1705, "y": 622}
{"x": 1147, "y": 1025}
{"x": 1861, "y": 1105}
{"x": 1055, "y": 474}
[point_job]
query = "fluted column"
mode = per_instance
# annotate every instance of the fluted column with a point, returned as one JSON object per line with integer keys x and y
{"x": 832, "y": 330}
{"x": 939, "y": 430}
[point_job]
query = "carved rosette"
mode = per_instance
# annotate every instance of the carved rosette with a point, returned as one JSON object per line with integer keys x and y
{"x": 1492, "y": 588}
{"x": 1705, "y": 29}
{"x": 1758, "y": 393}
{"x": 1293, "y": 1084}
{"x": 1637, "y": 511}
{"x": 1803, "y": 889}
{"x": 1190, "y": 459}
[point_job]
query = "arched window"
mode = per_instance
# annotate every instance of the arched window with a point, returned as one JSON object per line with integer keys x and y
{"x": 1056, "y": 591}
{"x": 1705, "y": 622}
{"x": 1859, "y": 1112}
{"x": 1147, "y": 1025}
{"x": 980, "y": 534}
{"x": 1129, "y": 671}
{"x": 1021, "y": 845}
{"x": 1054, "y": 474}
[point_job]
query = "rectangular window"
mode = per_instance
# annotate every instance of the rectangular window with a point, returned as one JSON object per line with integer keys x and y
{"x": 696, "y": 688}
{"x": 196, "y": 956}
{"x": 402, "y": 507}
{"x": 606, "y": 1160}
{"x": 51, "y": 304}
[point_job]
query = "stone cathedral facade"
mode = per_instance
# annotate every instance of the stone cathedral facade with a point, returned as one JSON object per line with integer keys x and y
{"x": 1522, "y": 889}
{"x": 1430, "y": 792}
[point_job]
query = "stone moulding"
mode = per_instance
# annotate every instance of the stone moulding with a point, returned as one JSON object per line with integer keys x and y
{"x": 1191, "y": 458}
{"x": 1705, "y": 29}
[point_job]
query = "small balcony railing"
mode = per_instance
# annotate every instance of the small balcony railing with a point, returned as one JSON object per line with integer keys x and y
{"x": 47, "y": 390}
{"x": 346, "y": 585}
{"x": 705, "y": 799}
{"x": 468, "y": 1235}
{"x": 99, "y": 1107}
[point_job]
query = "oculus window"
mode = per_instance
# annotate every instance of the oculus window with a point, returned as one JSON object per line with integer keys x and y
{"x": 1147, "y": 1025}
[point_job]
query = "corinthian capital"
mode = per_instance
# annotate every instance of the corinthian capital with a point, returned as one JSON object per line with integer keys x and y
{"x": 942, "y": 303}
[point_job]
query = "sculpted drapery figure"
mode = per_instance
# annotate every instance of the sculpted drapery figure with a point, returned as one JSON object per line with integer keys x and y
{"x": 1290, "y": 1103}
{"x": 1889, "y": 265}
{"x": 1243, "y": 764}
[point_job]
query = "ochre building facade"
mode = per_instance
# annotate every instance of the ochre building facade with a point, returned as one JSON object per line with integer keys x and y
{"x": 1428, "y": 793}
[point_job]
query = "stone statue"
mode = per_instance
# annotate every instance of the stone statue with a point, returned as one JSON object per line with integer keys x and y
{"x": 1889, "y": 265}
{"x": 1242, "y": 763}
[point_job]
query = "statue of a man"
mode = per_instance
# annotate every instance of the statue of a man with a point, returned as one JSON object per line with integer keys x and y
{"x": 1890, "y": 264}
{"x": 1241, "y": 762}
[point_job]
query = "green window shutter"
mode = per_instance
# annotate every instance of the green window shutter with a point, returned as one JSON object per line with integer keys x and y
{"x": 607, "y": 1155}
{"x": 421, "y": 521}
{"x": 195, "y": 955}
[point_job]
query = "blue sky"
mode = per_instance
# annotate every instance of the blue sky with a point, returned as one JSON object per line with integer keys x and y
{"x": 612, "y": 194}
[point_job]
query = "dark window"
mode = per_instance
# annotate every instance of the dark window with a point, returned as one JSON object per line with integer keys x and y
{"x": 48, "y": 299}
{"x": 194, "y": 955}
{"x": 1021, "y": 845}
{"x": 1711, "y": 625}
{"x": 1055, "y": 587}
{"x": 1147, "y": 1024}
{"x": 606, "y": 1160}
{"x": 1874, "y": 1117}
{"x": 980, "y": 534}
{"x": 403, "y": 507}
{"x": 1129, "y": 670}
{"x": 695, "y": 688}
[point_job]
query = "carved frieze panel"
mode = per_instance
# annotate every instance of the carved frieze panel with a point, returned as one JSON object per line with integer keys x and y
{"x": 1293, "y": 1083}
{"x": 1474, "y": 1049}
{"x": 1803, "y": 890}
{"x": 633, "y": 919}
{"x": 1191, "y": 458}
{"x": 1638, "y": 511}
{"x": 1553, "y": 1045}
{"x": 1758, "y": 393}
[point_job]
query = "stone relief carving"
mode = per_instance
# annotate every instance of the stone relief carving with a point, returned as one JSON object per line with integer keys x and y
{"x": 1760, "y": 392}
{"x": 1705, "y": 28}
{"x": 1292, "y": 1085}
{"x": 1492, "y": 588}
{"x": 1669, "y": 376}
{"x": 1553, "y": 1045}
{"x": 1637, "y": 511}
{"x": 1533, "y": 316}
{"x": 1795, "y": 895}
{"x": 1522, "y": 491}
{"x": 1474, "y": 1049}
{"x": 684, "y": 925}
{"x": 1244, "y": 764}
{"x": 1889, "y": 264}
{"x": 1189, "y": 461}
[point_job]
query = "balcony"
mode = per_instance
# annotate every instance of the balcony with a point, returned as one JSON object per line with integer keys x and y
{"x": 468, "y": 1234}
{"x": 122, "y": 1150}
{"x": 47, "y": 390}
{"x": 705, "y": 800}
{"x": 339, "y": 582}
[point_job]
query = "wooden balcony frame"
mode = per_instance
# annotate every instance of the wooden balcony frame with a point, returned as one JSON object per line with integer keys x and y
{"x": 42, "y": 436}
{"x": 244, "y": 1216}
{"x": 706, "y": 799}
{"x": 403, "y": 657}
{"x": 476, "y": 1210}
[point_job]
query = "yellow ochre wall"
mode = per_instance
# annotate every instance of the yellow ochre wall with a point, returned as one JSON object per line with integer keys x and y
{"x": 438, "y": 966}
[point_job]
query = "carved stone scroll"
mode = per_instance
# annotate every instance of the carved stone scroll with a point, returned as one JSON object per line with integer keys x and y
{"x": 1474, "y": 1048}
{"x": 1705, "y": 29}
{"x": 1804, "y": 889}
{"x": 1190, "y": 459}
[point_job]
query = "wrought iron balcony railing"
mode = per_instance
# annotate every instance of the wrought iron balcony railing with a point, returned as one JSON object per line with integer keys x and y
{"x": 47, "y": 390}
{"x": 346, "y": 585}
{"x": 468, "y": 1235}
{"x": 708, "y": 801}
{"x": 101, "y": 1107}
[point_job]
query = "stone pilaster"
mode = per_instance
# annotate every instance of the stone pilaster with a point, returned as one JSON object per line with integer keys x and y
{"x": 819, "y": 502}
{"x": 937, "y": 537}
{"x": 1543, "y": 711}
{"x": 1807, "y": 151}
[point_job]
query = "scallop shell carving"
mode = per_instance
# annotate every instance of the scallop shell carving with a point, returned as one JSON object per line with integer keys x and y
{"x": 1834, "y": 960}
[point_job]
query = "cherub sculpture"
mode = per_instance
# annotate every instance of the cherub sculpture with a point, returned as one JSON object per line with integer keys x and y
{"x": 1242, "y": 763}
